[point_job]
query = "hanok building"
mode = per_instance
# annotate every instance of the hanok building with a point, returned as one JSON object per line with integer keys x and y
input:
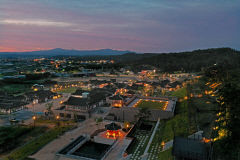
{"x": 9, "y": 103}
{"x": 40, "y": 96}
{"x": 116, "y": 101}
{"x": 81, "y": 104}
{"x": 113, "y": 130}
{"x": 98, "y": 83}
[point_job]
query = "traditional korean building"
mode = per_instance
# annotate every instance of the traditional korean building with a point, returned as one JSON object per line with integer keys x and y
{"x": 113, "y": 130}
{"x": 116, "y": 101}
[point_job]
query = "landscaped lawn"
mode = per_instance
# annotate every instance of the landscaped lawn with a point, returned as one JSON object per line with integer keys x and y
{"x": 54, "y": 122}
{"x": 68, "y": 90}
{"x": 15, "y": 88}
{"x": 36, "y": 144}
{"x": 151, "y": 104}
{"x": 180, "y": 93}
{"x": 177, "y": 126}
{"x": 166, "y": 155}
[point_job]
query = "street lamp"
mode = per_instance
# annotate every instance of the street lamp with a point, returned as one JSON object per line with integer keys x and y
{"x": 34, "y": 118}
{"x": 57, "y": 118}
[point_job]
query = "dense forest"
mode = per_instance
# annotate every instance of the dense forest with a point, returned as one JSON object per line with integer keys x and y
{"x": 194, "y": 61}
{"x": 227, "y": 145}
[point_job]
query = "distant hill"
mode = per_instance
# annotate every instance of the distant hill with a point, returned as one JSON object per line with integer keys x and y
{"x": 192, "y": 61}
{"x": 65, "y": 52}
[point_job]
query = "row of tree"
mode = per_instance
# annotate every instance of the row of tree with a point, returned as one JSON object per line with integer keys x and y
{"x": 227, "y": 144}
{"x": 193, "y": 61}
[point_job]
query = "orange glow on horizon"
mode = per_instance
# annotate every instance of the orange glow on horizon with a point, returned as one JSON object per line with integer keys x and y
{"x": 14, "y": 49}
{"x": 7, "y": 49}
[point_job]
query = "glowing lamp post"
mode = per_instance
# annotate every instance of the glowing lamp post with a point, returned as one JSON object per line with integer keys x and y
{"x": 34, "y": 119}
{"x": 57, "y": 118}
{"x": 162, "y": 144}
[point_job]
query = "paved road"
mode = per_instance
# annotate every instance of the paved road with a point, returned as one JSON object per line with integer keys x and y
{"x": 49, "y": 151}
{"x": 20, "y": 115}
{"x": 27, "y": 114}
{"x": 74, "y": 79}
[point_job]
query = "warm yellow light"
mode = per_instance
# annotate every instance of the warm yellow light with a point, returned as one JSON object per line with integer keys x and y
{"x": 35, "y": 89}
{"x": 222, "y": 133}
{"x": 215, "y": 128}
{"x": 206, "y": 140}
{"x": 34, "y": 117}
{"x": 55, "y": 97}
{"x": 163, "y": 143}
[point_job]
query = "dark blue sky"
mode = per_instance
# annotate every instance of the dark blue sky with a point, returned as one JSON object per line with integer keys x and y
{"x": 137, "y": 25}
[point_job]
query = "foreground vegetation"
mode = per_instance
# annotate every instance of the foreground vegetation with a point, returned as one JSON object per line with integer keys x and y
{"x": 225, "y": 135}
{"x": 179, "y": 124}
{"x": 166, "y": 155}
{"x": 13, "y": 136}
{"x": 36, "y": 144}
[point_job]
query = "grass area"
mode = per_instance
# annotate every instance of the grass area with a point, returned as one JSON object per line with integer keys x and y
{"x": 177, "y": 126}
{"x": 180, "y": 93}
{"x": 203, "y": 108}
{"x": 13, "y": 136}
{"x": 166, "y": 155}
{"x": 15, "y": 88}
{"x": 54, "y": 122}
{"x": 151, "y": 104}
{"x": 68, "y": 90}
{"x": 9, "y": 137}
{"x": 36, "y": 144}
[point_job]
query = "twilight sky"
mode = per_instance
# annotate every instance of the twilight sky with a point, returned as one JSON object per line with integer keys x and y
{"x": 136, "y": 25}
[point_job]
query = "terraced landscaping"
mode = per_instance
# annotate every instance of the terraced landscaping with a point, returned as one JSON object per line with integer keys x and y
{"x": 37, "y": 143}
{"x": 142, "y": 135}
{"x": 142, "y": 141}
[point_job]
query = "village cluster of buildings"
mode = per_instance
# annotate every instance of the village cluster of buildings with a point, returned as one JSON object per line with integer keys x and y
{"x": 121, "y": 96}
{"x": 11, "y": 103}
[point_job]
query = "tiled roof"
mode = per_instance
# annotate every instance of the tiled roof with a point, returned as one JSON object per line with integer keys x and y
{"x": 75, "y": 101}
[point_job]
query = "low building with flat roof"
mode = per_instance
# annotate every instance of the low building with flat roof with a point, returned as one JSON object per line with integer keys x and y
{"x": 130, "y": 112}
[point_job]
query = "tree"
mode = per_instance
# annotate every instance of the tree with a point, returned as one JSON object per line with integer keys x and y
{"x": 227, "y": 145}
{"x": 49, "y": 108}
{"x": 143, "y": 113}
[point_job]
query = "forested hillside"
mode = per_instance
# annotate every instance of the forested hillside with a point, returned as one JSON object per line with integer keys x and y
{"x": 193, "y": 61}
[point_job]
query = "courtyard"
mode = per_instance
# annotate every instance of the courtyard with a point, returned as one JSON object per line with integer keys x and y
{"x": 152, "y": 104}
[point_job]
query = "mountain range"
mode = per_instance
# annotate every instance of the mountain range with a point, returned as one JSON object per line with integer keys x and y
{"x": 66, "y": 52}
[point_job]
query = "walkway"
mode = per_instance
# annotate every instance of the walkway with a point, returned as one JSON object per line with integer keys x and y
{"x": 152, "y": 136}
{"x": 49, "y": 151}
